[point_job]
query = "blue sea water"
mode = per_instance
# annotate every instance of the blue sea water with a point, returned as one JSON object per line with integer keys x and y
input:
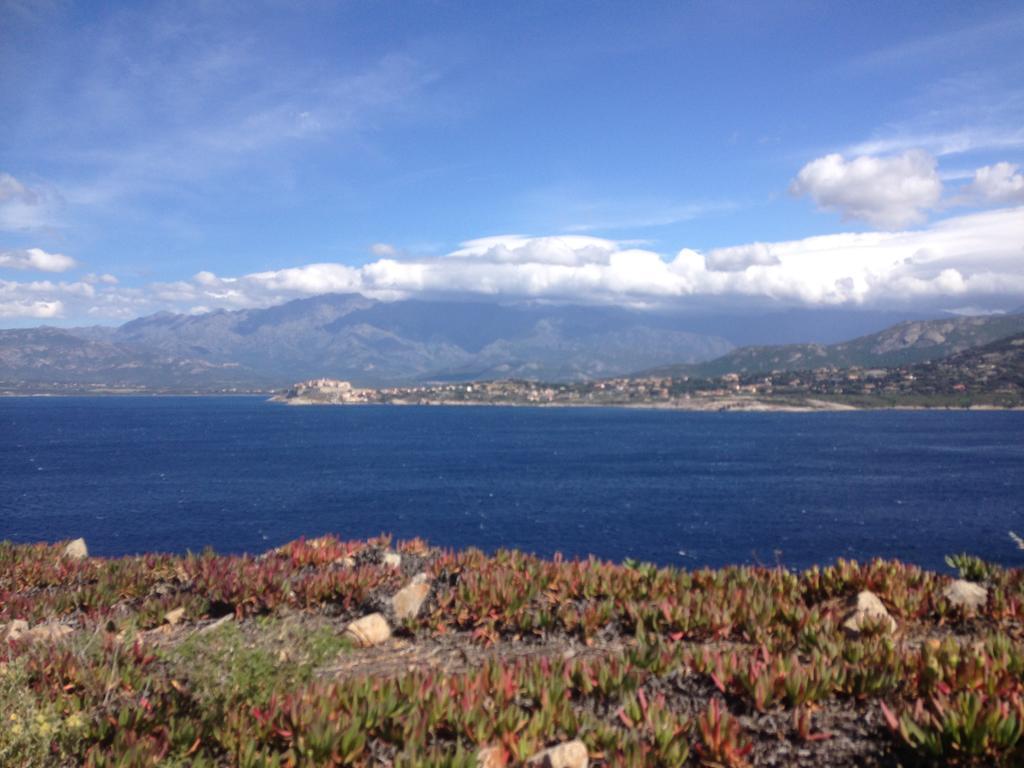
{"x": 692, "y": 489}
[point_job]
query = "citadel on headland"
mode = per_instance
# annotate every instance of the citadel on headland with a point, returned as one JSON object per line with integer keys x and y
{"x": 988, "y": 376}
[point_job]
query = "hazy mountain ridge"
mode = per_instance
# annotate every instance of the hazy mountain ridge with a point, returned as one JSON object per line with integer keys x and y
{"x": 903, "y": 344}
{"x": 373, "y": 343}
{"x": 355, "y": 338}
{"x": 55, "y": 356}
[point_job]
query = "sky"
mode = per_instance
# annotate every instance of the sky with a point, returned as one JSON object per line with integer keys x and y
{"x": 192, "y": 156}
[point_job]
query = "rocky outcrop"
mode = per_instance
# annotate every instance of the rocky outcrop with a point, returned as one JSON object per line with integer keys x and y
{"x": 868, "y": 610}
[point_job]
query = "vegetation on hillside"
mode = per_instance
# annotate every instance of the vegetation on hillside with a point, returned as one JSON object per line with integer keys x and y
{"x": 207, "y": 660}
{"x": 901, "y": 345}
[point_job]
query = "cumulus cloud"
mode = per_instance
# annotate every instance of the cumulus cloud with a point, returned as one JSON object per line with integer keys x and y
{"x": 886, "y": 192}
{"x": 36, "y": 259}
{"x": 567, "y": 250}
{"x": 98, "y": 299}
{"x": 740, "y": 257}
{"x": 999, "y": 183}
{"x": 961, "y": 261}
{"x": 37, "y": 309}
{"x": 976, "y": 255}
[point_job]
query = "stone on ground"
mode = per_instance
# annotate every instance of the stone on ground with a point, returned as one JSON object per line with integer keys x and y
{"x": 76, "y": 550}
{"x": 966, "y": 594}
{"x": 491, "y": 757}
{"x": 50, "y": 631}
{"x": 409, "y": 599}
{"x": 370, "y": 630}
{"x": 14, "y": 630}
{"x": 571, "y": 754}
{"x": 868, "y": 609}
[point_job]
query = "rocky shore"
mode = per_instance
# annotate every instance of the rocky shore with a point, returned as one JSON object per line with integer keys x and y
{"x": 332, "y": 652}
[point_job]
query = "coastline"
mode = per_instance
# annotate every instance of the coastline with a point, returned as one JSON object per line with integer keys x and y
{"x": 721, "y": 406}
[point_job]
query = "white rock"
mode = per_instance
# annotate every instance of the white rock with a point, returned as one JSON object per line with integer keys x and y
{"x": 392, "y": 559}
{"x": 76, "y": 550}
{"x": 409, "y": 599}
{"x": 966, "y": 594}
{"x": 571, "y": 754}
{"x": 51, "y": 630}
{"x": 491, "y": 757}
{"x": 868, "y": 609}
{"x": 369, "y": 630}
{"x": 14, "y": 630}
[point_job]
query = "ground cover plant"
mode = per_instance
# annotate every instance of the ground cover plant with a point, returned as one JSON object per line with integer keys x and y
{"x": 210, "y": 660}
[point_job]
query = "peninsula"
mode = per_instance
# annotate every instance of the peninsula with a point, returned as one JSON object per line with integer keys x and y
{"x": 990, "y": 376}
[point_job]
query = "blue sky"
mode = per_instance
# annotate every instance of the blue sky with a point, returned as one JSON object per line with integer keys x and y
{"x": 190, "y": 156}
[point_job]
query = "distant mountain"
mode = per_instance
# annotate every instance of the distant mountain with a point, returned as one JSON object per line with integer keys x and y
{"x": 903, "y": 344}
{"x": 374, "y": 343}
{"x": 359, "y": 339}
{"x": 36, "y": 358}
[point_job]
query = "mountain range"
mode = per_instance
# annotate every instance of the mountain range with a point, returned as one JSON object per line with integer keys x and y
{"x": 375, "y": 343}
{"x": 369, "y": 342}
{"x": 903, "y": 344}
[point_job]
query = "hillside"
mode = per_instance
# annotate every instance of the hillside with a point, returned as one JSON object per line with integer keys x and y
{"x": 903, "y": 344}
{"x": 332, "y": 652}
{"x": 402, "y": 343}
{"x": 359, "y": 339}
{"x": 994, "y": 369}
{"x": 990, "y": 375}
{"x": 50, "y": 359}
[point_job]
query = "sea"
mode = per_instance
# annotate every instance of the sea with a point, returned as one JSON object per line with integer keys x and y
{"x": 240, "y": 474}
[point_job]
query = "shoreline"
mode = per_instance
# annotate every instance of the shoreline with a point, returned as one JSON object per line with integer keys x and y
{"x": 731, "y": 406}
{"x": 693, "y": 406}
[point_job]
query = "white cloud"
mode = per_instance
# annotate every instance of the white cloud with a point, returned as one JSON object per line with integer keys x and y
{"x": 12, "y": 189}
{"x": 961, "y": 261}
{"x": 740, "y": 257}
{"x": 77, "y": 299}
{"x": 942, "y": 144}
{"x": 106, "y": 279}
{"x": 887, "y": 192}
{"x": 37, "y": 309}
{"x": 999, "y": 183}
{"x": 968, "y": 256}
{"x": 37, "y": 259}
{"x": 383, "y": 249}
{"x": 23, "y": 207}
{"x": 565, "y": 250}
